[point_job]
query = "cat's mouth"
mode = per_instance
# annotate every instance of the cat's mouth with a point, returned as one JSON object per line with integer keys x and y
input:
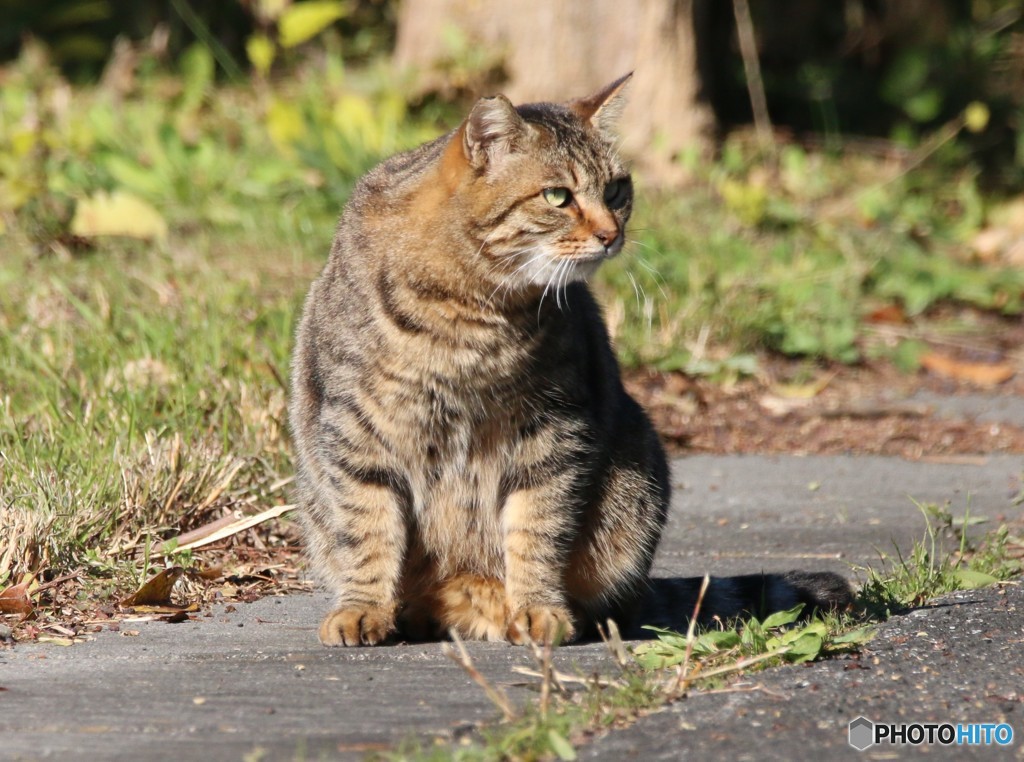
{"x": 595, "y": 256}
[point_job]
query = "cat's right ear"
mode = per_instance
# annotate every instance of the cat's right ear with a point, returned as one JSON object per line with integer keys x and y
{"x": 492, "y": 130}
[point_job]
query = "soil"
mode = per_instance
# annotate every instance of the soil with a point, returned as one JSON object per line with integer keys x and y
{"x": 868, "y": 410}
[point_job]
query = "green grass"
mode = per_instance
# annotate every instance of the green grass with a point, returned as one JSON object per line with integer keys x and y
{"x": 947, "y": 558}
{"x": 710, "y": 280}
{"x": 142, "y": 383}
{"x": 143, "y": 394}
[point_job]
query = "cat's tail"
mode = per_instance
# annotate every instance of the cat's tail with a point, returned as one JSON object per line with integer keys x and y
{"x": 670, "y": 602}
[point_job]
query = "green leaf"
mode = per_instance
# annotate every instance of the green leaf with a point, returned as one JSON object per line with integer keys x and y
{"x": 658, "y": 655}
{"x": 303, "y": 21}
{"x": 261, "y": 52}
{"x": 781, "y": 618}
{"x": 560, "y": 746}
{"x": 197, "y": 67}
{"x": 135, "y": 177}
{"x": 924, "y": 106}
{"x": 857, "y": 637}
{"x": 285, "y": 124}
{"x": 970, "y": 580}
{"x": 804, "y": 648}
{"x": 716, "y": 640}
{"x": 669, "y": 637}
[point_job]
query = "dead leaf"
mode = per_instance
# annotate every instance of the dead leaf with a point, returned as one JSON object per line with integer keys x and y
{"x": 982, "y": 374}
{"x": 119, "y": 214}
{"x": 208, "y": 573}
{"x": 890, "y": 313}
{"x": 157, "y": 591}
{"x": 233, "y": 528}
{"x": 53, "y": 639}
{"x": 15, "y": 600}
{"x": 780, "y": 407}
{"x": 168, "y": 609}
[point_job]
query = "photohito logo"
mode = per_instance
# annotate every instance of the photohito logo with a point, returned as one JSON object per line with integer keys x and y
{"x": 863, "y": 734}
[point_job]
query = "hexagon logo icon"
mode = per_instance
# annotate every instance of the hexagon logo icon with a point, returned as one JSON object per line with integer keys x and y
{"x": 862, "y": 733}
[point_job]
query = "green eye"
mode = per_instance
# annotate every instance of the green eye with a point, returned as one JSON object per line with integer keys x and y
{"x": 557, "y": 196}
{"x": 616, "y": 193}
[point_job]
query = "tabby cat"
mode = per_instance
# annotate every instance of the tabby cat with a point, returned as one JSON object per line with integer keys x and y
{"x": 467, "y": 455}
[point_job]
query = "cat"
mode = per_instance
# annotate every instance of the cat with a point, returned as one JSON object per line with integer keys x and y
{"x": 467, "y": 457}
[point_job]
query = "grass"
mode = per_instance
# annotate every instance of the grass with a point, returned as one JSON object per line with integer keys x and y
{"x": 142, "y": 382}
{"x": 143, "y": 394}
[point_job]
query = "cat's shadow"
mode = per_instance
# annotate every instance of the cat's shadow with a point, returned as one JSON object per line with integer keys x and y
{"x": 669, "y": 603}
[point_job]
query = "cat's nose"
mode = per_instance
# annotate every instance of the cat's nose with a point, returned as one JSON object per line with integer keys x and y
{"x": 607, "y": 236}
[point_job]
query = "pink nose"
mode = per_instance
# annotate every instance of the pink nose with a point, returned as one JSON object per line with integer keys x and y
{"x": 607, "y": 236}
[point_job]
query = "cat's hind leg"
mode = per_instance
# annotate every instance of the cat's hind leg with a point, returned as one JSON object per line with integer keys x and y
{"x": 608, "y": 565}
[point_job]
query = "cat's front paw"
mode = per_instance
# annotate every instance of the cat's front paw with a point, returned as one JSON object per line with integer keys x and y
{"x": 540, "y": 624}
{"x": 357, "y": 626}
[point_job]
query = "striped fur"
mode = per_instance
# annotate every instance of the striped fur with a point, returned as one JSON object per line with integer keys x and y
{"x": 467, "y": 455}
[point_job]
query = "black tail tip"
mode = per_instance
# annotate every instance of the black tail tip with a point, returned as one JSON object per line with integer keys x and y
{"x": 821, "y": 591}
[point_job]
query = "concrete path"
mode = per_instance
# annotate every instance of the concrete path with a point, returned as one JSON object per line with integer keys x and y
{"x": 254, "y": 684}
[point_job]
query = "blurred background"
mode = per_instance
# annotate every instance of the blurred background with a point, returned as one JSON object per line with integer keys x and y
{"x": 826, "y": 191}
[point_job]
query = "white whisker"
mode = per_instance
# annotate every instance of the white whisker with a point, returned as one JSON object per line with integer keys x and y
{"x": 636, "y": 288}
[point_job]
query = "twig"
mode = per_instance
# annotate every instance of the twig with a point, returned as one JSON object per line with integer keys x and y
{"x": 759, "y": 688}
{"x": 679, "y": 684}
{"x": 202, "y": 31}
{"x": 496, "y": 695}
{"x": 57, "y": 581}
{"x": 742, "y": 664}
{"x": 233, "y": 528}
{"x": 752, "y": 69}
{"x": 613, "y": 641}
{"x": 543, "y": 654}
{"x": 563, "y": 677}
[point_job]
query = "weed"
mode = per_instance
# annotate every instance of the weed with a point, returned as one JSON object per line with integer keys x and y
{"x": 931, "y": 569}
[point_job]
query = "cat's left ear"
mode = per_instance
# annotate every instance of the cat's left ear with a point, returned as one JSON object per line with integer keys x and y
{"x": 603, "y": 109}
{"x": 492, "y": 130}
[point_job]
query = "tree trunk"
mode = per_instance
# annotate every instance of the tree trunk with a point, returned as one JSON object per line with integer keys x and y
{"x": 561, "y": 49}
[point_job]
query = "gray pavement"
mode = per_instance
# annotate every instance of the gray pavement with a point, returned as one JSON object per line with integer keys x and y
{"x": 254, "y": 684}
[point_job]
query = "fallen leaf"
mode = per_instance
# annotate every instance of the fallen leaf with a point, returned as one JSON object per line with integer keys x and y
{"x": 167, "y": 609}
{"x": 982, "y": 374}
{"x": 15, "y": 600}
{"x": 890, "y": 313}
{"x": 208, "y": 573}
{"x": 119, "y": 214}
{"x": 55, "y": 640}
{"x": 782, "y": 406}
{"x": 157, "y": 591}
